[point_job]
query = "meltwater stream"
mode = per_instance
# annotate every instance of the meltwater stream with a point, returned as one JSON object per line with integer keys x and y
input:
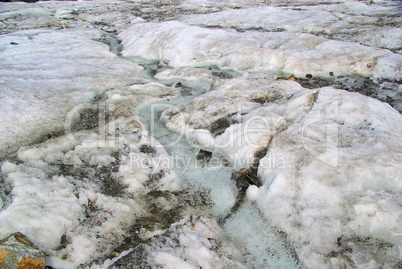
{"x": 262, "y": 246}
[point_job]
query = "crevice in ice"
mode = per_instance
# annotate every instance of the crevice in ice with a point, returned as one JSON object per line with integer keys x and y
{"x": 244, "y": 179}
{"x": 244, "y": 29}
{"x": 109, "y": 37}
{"x": 203, "y": 176}
{"x": 112, "y": 41}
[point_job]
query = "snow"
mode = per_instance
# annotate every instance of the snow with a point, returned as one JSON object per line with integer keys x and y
{"x": 105, "y": 106}
{"x": 196, "y": 240}
{"x": 195, "y": 78}
{"x": 58, "y": 263}
{"x": 60, "y": 203}
{"x": 176, "y": 44}
{"x": 74, "y": 71}
{"x": 325, "y": 200}
{"x": 350, "y": 21}
{"x": 319, "y": 192}
{"x": 252, "y": 193}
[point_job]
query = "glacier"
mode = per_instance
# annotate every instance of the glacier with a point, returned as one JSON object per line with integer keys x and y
{"x": 203, "y": 133}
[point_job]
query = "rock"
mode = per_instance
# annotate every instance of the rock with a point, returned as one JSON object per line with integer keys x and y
{"x": 204, "y": 155}
{"x": 17, "y": 252}
{"x": 220, "y": 125}
{"x": 63, "y": 239}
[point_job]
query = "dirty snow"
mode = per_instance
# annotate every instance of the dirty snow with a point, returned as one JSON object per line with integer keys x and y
{"x": 105, "y": 106}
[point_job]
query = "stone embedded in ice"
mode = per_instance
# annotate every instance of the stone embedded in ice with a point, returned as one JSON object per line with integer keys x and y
{"x": 204, "y": 155}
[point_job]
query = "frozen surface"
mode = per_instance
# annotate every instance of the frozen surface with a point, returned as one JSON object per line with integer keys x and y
{"x": 123, "y": 126}
{"x": 352, "y": 21}
{"x": 331, "y": 174}
{"x": 177, "y": 45}
{"x": 49, "y": 73}
{"x": 191, "y": 243}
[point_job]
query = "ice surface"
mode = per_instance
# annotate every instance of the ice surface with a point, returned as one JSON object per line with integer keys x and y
{"x": 47, "y": 75}
{"x": 101, "y": 194}
{"x": 179, "y": 45}
{"x": 363, "y": 23}
{"x": 257, "y": 245}
{"x": 105, "y": 106}
{"x": 317, "y": 183}
{"x": 192, "y": 243}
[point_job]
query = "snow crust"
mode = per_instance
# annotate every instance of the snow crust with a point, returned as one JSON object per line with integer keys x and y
{"x": 48, "y": 74}
{"x": 188, "y": 244}
{"x": 100, "y": 99}
{"x": 352, "y": 21}
{"x": 76, "y": 204}
{"x": 330, "y": 174}
{"x": 178, "y": 45}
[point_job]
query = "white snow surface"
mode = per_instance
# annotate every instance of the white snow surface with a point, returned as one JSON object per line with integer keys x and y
{"x": 352, "y": 21}
{"x": 48, "y": 74}
{"x": 332, "y": 171}
{"x": 86, "y": 176}
{"x": 177, "y": 44}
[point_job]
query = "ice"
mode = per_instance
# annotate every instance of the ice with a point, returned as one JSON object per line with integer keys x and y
{"x": 65, "y": 68}
{"x": 178, "y": 45}
{"x": 190, "y": 243}
{"x": 106, "y": 107}
{"x": 194, "y": 78}
{"x": 326, "y": 199}
{"x": 8, "y": 167}
{"x": 314, "y": 183}
{"x": 62, "y": 210}
{"x": 256, "y": 246}
{"x": 96, "y": 195}
{"x": 350, "y": 21}
{"x": 58, "y": 263}
{"x": 80, "y": 204}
